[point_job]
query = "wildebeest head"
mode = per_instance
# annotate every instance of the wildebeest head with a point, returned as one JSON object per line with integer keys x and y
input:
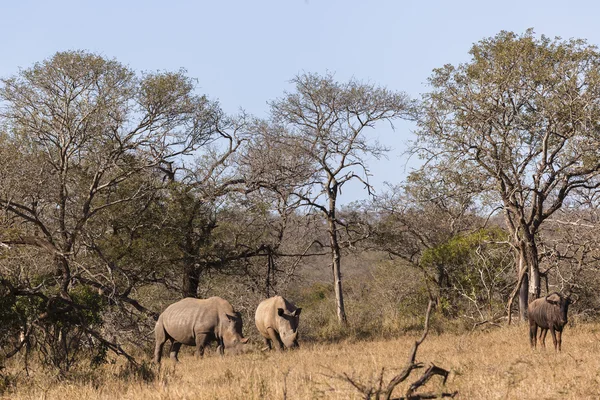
{"x": 233, "y": 339}
{"x": 562, "y": 302}
{"x": 288, "y": 326}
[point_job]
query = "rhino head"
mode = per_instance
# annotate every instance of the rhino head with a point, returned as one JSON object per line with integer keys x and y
{"x": 287, "y": 325}
{"x": 233, "y": 339}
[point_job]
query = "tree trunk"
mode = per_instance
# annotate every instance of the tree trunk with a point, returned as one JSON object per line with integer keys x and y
{"x": 524, "y": 296}
{"x": 532, "y": 262}
{"x": 191, "y": 278}
{"x": 337, "y": 272}
{"x": 269, "y": 274}
{"x": 528, "y": 261}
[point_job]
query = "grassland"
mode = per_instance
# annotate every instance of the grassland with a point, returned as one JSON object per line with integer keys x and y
{"x": 494, "y": 364}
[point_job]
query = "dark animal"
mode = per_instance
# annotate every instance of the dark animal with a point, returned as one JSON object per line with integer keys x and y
{"x": 277, "y": 321}
{"x": 548, "y": 313}
{"x": 197, "y": 322}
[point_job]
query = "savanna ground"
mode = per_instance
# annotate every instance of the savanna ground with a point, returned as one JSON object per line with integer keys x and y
{"x": 492, "y": 364}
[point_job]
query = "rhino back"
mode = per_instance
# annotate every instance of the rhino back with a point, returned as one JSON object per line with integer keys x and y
{"x": 184, "y": 319}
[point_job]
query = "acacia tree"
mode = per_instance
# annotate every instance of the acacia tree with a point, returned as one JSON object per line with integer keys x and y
{"x": 80, "y": 137}
{"x": 522, "y": 117}
{"x": 325, "y": 123}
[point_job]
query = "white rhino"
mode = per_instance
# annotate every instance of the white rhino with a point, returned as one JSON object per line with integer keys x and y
{"x": 197, "y": 322}
{"x": 277, "y": 321}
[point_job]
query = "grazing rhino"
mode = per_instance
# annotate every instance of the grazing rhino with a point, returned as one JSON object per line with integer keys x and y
{"x": 197, "y": 322}
{"x": 277, "y": 321}
{"x": 548, "y": 312}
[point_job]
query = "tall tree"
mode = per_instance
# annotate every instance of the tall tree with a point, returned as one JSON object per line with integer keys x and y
{"x": 80, "y": 136}
{"x": 522, "y": 117}
{"x": 325, "y": 123}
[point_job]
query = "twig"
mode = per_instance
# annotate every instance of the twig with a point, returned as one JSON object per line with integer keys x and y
{"x": 378, "y": 391}
{"x": 411, "y": 359}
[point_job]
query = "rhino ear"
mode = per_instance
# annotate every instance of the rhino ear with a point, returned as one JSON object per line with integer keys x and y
{"x": 280, "y": 311}
{"x": 553, "y": 298}
{"x": 297, "y": 312}
{"x": 231, "y": 317}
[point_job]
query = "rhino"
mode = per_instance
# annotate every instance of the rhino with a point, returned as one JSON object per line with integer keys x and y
{"x": 198, "y": 322}
{"x": 277, "y": 321}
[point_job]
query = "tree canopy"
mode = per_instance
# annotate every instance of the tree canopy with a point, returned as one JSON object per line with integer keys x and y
{"x": 520, "y": 119}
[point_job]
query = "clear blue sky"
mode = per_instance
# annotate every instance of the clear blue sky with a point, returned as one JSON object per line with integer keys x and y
{"x": 244, "y": 52}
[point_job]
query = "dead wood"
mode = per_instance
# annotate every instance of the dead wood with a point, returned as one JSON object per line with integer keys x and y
{"x": 379, "y": 392}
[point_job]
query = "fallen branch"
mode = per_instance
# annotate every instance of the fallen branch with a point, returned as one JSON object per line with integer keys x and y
{"x": 431, "y": 371}
{"x": 411, "y": 359}
{"x": 378, "y": 392}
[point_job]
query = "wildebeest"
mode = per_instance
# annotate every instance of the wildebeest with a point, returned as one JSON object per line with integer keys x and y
{"x": 197, "y": 322}
{"x": 277, "y": 321}
{"x": 549, "y": 313}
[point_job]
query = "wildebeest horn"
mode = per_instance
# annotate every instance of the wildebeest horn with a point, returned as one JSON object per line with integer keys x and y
{"x": 553, "y": 298}
{"x": 574, "y": 298}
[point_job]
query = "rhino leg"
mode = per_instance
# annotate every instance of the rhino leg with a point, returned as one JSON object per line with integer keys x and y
{"x": 275, "y": 338}
{"x": 267, "y": 344}
{"x": 174, "y": 352}
{"x": 202, "y": 340}
{"x": 161, "y": 338}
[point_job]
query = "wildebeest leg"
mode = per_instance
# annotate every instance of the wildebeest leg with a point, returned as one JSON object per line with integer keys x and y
{"x": 174, "y": 352}
{"x": 543, "y": 333}
{"x": 275, "y": 338}
{"x": 533, "y": 334}
{"x": 202, "y": 340}
{"x": 554, "y": 338}
{"x": 559, "y": 338}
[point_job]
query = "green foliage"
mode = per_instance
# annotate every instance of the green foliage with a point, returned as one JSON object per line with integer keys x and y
{"x": 471, "y": 270}
{"x": 91, "y": 303}
{"x": 460, "y": 248}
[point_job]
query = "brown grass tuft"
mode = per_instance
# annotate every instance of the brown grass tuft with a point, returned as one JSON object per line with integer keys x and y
{"x": 495, "y": 364}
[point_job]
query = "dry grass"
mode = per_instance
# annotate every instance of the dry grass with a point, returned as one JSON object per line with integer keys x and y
{"x": 485, "y": 365}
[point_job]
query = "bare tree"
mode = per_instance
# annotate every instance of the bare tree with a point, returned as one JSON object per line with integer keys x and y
{"x": 325, "y": 123}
